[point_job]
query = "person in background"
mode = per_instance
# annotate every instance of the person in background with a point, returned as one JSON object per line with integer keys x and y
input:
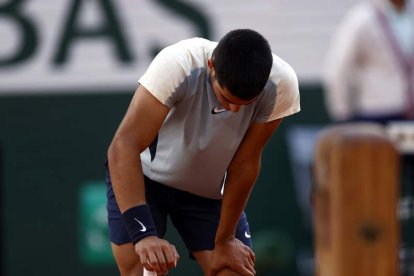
{"x": 369, "y": 71}
{"x": 369, "y": 76}
{"x": 190, "y": 146}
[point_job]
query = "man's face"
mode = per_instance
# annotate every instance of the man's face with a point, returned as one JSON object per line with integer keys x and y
{"x": 224, "y": 96}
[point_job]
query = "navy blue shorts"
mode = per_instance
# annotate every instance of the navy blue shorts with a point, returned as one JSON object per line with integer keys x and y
{"x": 195, "y": 218}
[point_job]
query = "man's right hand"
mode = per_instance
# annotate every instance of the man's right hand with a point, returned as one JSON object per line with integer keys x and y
{"x": 157, "y": 255}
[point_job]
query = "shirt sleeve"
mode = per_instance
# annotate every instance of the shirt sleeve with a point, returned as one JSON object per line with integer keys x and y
{"x": 281, "y": 96}
{"x": 166, "y": 73}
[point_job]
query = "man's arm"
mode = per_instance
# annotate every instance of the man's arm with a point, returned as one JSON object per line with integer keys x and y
{"x": 241, "y": 176}
{"x": 341, "y": 62}
{"x": 137, "y": 130}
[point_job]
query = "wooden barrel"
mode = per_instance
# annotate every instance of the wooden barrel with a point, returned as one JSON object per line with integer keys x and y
{"x": 356, "y": 173}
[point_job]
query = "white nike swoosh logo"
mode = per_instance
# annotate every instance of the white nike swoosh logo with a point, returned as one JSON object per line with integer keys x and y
{"x": 143, "y": 226}
{"x": 218, "y": 110}
{"x": 247, "y": 235}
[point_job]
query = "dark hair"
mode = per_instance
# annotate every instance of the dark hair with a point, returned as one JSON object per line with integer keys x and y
{"x": 242, "y": 62}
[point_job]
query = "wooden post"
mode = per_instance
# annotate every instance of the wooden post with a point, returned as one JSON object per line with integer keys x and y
{"x": 356, "y": 191}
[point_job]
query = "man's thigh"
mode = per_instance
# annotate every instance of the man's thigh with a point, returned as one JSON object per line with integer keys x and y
{"x": 197, "y": 225}
{"x": 117, "y": 230}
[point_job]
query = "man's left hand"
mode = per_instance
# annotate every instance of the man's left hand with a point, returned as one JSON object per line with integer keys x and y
{"x": 233, "y": 254}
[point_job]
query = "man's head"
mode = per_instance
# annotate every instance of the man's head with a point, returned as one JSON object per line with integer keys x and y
{"x": 242, "y": 62}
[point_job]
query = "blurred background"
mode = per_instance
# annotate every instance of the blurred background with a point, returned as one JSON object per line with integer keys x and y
{"x": 68, "y": 69}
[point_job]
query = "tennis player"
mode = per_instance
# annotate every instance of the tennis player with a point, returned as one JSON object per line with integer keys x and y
{"x": 189, "y": 148}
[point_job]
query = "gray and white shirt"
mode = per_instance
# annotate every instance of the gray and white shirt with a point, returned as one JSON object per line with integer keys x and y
{"x": 195, "y": 145}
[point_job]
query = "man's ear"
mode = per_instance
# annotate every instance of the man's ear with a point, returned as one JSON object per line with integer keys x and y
{"x": 210, "y": 63}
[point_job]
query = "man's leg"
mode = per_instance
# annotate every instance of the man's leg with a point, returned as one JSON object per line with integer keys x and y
{"x": 124, "y": 253}
{"x": 196, "y": 219}
{"x": 127, "y": 260}
{"x": 203, "y": 258}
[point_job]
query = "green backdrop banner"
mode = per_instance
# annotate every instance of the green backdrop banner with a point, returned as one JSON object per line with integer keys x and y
{"x": 53, "y": 146}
